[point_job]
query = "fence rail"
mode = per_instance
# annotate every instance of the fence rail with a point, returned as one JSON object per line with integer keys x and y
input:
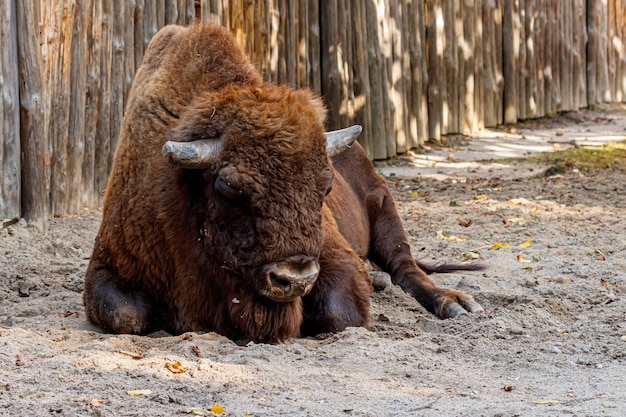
{"x": 407, "y": 70}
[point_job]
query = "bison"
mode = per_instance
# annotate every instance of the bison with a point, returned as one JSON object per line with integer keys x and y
{"x": 230, "y": 209}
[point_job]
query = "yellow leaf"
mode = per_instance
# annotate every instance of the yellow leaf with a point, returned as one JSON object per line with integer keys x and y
{"x": 441, "y": 236}
{"x": 520, "y": 258}
{"x": 218, "y": 409}
{"x": 470, "y": 256}
{"x": 139, "y": 392}
{"x": 499, "y": 245}
{"x": 517, "y": 201}
{"x": 414, "y": 194}
{"x": 176, "y": 367}
{"x": 525, "y": 244}
{"x": 546, "y": 402}
{"x": 482, "y": 197}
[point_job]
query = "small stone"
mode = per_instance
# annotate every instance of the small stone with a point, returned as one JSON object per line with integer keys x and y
{"x": 380, "y": 280}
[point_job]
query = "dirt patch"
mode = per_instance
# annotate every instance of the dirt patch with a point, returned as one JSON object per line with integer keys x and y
{"x": 552, "y": 339}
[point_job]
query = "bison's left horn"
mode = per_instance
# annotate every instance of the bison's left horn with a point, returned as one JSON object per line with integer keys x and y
{"x": 198, "y": 154}
{"x": 338, "y": 141}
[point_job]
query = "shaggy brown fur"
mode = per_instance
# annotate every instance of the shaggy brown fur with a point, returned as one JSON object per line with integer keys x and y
{"x": 175, "y": 252}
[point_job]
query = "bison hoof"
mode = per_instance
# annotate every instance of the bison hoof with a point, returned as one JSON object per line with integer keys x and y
{"x": 462, "y": 305}
{"x": 380, "y": 280}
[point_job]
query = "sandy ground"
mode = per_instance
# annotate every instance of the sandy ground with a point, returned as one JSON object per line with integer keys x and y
{"x": 552, "y": 339}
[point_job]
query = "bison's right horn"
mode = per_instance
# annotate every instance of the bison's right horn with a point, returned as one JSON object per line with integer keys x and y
{"x": 198, "y": 154}
{"x": 338, "y": 141}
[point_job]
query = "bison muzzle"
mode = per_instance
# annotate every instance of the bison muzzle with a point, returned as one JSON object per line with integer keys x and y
{"x": 230, "y": 209}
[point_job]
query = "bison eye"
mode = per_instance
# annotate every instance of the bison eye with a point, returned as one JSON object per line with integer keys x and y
{"x": 227, "y": 190}
{"x": 329, "y": 187}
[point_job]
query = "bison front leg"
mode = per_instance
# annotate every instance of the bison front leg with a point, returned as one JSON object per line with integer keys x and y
{"x": 391, "y": 251}
{"x": 341, "y": 295}
{"x": 111, "y": 304}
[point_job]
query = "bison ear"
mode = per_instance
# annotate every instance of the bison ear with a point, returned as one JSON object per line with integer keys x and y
{"x": 338, "y": 141}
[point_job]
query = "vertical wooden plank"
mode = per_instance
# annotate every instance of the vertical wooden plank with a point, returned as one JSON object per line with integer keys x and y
{"x": 331, "y": 83}
{"x": 549, "y": 59}
{"x": 303, "y": 43}
{"x": 386, "y": 51}
{"x": 622, "y": 76}
{"x": 467, "y": 113}
{"x": 76, "y": 131}
{"x": 281, "y": 27}
{"x": 450, "y": 92}
{"x": 362, "y": 94}
{"x": 10, "y": 167}
{"x": 520, "y": 17}
{"x": 138, "y": 41}
{"x": 375, "y": 69}
{"x": 489, "y": 61}
{"x": 344, "y": 60}
{"x": 398, "y": 93}
{"x": 479, "y": 69}
{"x": 416, "y": 29}
{"x": 531, "y": 62}
{"x": 291, "y": 42}
{"x": 150, "y": 21}
{"x": 103, "y": 129}
{"x": 160, "y": 13}
{"x": 565, "y": 55}
{"x": 129, "y": 48}
{"x": 579, "y": 42}
{"x": 315, "y": 77}
{"x": 510, "y": 55}
{"x": 59, "y": 123}
{"x": 190, "y": 12}
{"x": 32, "y": 142}
{"x": 436, "y": 71}
{"x": 92, "y": 103}
{"x": 181, "y": 5}
{"x": 459, "y": 34}
{"x": 593, "y": 24}
{"x": 118, "y": 74}
{"x": 539, "y": 34}
{"x": 171, "y": 12}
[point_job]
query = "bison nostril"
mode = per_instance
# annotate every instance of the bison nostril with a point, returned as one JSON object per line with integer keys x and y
{"x": 281, "y": 283}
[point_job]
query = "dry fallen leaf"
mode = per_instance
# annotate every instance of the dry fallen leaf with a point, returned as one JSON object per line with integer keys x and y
{"x": 441, "y": 236}
{"x": 218, "y": 409}
{"x": 467, "y": 223}
{"x": 482, "y": 197}
{"x": 176, "y": 367}
{"x": 18, "y": 361}
{"x": 507, "y": 388}
{"x": 525, "y": 244}
{"x": 520, "y": 258}
{"x": 604, "y": 283}
{"x": 139, "y": 392}
{"x": 499, "y": 245}
{"x": 96, "y": 403}
{"x": 470, "y": 256}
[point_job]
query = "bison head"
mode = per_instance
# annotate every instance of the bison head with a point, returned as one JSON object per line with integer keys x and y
{"x": 261, "y": 157}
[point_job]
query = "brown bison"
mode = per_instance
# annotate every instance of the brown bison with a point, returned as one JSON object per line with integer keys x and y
{"x": 229, "y": 209}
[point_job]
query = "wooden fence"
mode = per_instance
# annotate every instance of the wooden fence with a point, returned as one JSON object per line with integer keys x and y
{"x": 407, "y": 70}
